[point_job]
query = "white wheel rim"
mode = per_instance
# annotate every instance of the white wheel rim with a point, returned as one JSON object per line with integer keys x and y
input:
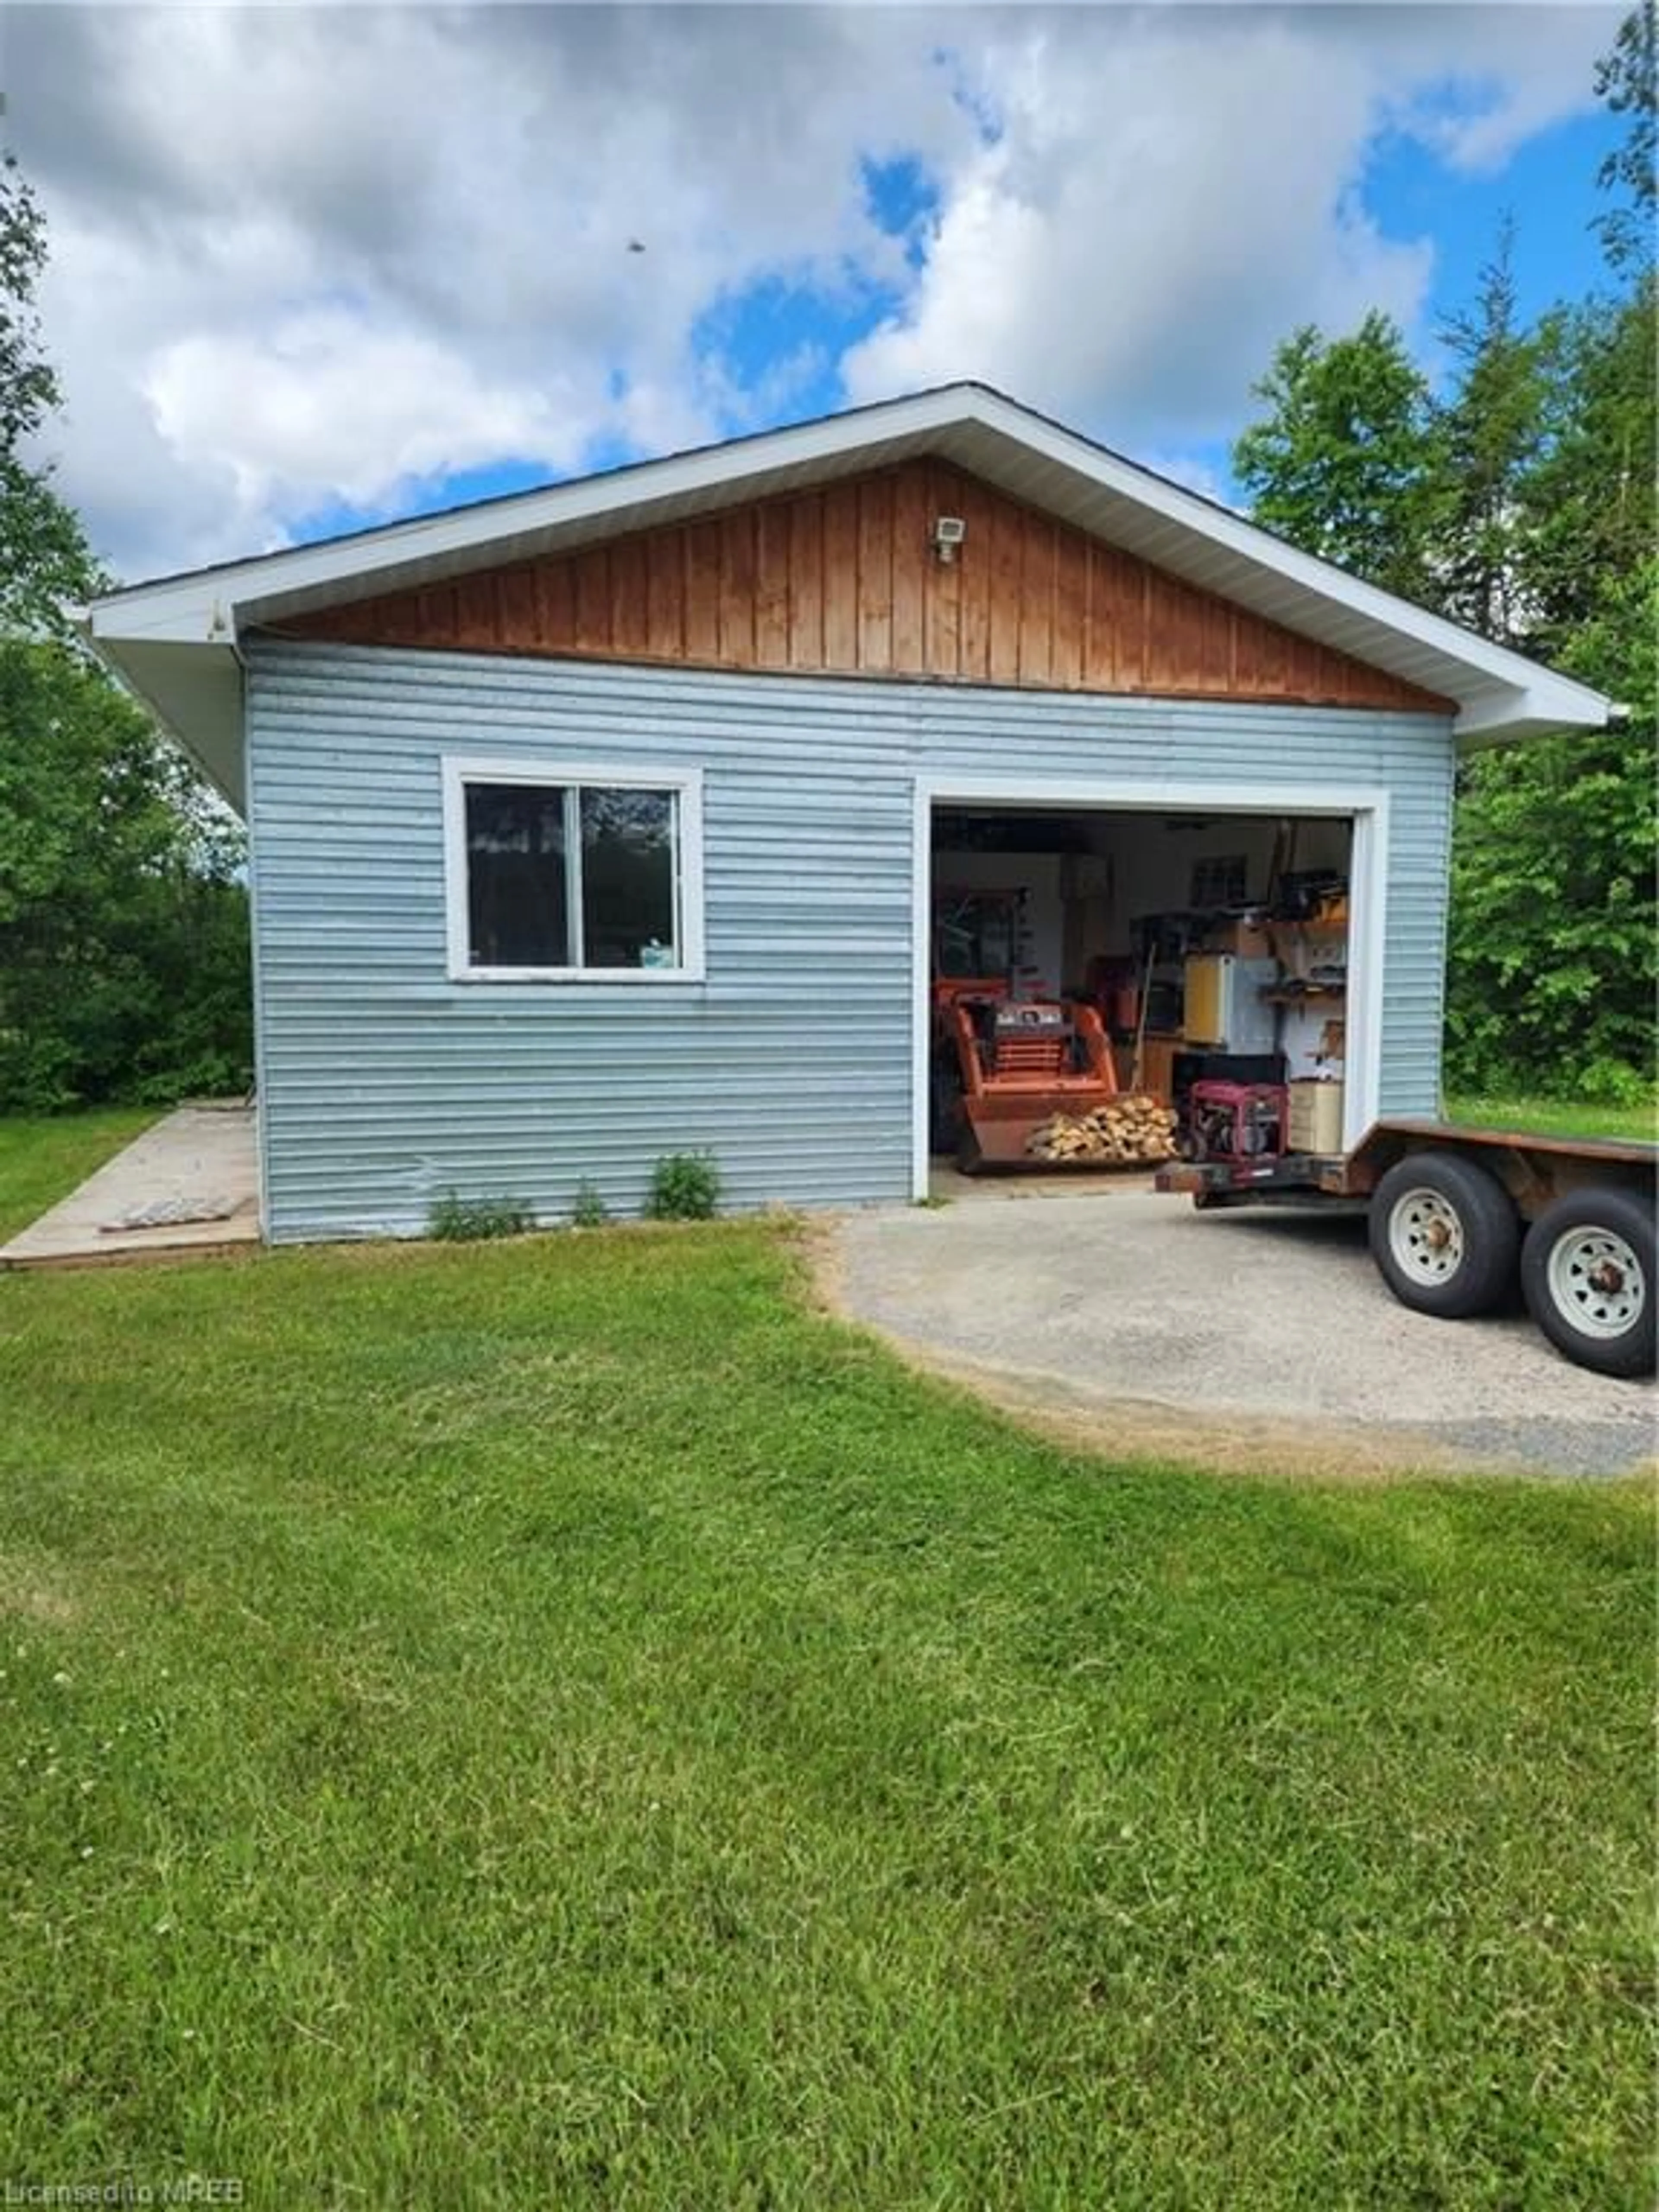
{"x": 1596, "y": 1282}
{"x": 1426, "y": 1236}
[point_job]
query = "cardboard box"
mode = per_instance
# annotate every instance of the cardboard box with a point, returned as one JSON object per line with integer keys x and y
{"x": 1244, "y": 938}
{"x": 1316, "y": 1117}
{"x": 1305, "y": 948}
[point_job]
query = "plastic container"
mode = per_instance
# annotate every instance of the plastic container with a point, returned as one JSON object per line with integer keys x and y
{"x": 1316, "y": 1116}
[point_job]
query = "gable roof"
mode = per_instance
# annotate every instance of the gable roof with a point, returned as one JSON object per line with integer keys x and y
{"x": 175, "y": 640}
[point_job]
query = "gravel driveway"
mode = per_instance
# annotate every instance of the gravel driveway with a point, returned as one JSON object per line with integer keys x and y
{"x": 1252, "y": 1338}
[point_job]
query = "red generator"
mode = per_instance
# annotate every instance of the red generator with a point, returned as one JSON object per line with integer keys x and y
{"x": 1238, "y": 1122}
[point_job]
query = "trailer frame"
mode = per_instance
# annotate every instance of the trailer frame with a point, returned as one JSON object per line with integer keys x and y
{"x": 1460, "y": 1216}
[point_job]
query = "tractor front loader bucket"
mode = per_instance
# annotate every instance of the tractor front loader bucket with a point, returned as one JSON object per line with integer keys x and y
{"x": 997, "y": 1126}
{"x": 1022, "y": 1063}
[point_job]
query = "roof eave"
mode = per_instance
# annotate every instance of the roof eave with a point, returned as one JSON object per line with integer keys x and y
{"x": 1502, "y": 697}
{"x": 270, "y": 583}
{"x": 1552, "y": 705}
{"x": 194, "y": 689}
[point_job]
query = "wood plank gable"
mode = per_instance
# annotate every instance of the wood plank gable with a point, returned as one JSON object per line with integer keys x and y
{"x": 845, "y": 581}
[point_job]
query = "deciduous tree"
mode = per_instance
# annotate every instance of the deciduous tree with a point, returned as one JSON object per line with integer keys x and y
{"x": 1553, "y": 973}
{"x": 123, "y": 967}
{"x": 45, "y": 564}
{"x": 1521, "y": 501}
{"x": 1555, "y": 928}
{"x": 1627, "y": 79}
{"x": 1346, "y": 462}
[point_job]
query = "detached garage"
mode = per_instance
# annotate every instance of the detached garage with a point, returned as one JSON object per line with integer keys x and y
{"x": 636, "y": 815}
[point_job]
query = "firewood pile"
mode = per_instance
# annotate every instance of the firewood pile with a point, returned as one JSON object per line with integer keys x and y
{"x": 1132, "y": 1132}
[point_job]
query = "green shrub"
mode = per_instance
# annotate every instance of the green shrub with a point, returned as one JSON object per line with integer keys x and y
{"x": 684, "y": 1186}
{"x": 456, "y": 1220}
{"x": 590, "y": 1210}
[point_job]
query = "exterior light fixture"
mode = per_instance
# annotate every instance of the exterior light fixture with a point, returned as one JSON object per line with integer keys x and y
{"x": 949, "y": 531}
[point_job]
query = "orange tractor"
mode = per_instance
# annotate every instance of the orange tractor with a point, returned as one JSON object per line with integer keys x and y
{"x": 1001, "y": 1065}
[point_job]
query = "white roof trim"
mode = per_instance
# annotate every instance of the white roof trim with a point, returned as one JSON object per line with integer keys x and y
{"x": 1501, "y": 695}
{"x": 317, "y": 571}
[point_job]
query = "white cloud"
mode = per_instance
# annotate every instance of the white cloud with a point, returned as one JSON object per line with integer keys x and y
{"x": 301, "y": 257}
{"x": 1505, "y": 73}
{"x": 306, "y": 256}
{"x": 330, "y": 406}
{"x": 1161, "y": 205}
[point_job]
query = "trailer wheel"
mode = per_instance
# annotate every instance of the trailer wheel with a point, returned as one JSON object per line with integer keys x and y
{"x": 1445, "y": 1236}
{"x": 1587, "y": 1273}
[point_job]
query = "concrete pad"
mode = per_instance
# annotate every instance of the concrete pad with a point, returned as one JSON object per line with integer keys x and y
{"x": 1248, "y": 1338}
{"x": 946, "y": 1181}
{"x": 189, "y": 1185}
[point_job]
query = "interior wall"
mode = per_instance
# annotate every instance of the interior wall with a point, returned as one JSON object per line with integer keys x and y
{"x": 1082, "y": 904}
{"x": 1152, "y": 865}
{"x": 1038, "y": 875}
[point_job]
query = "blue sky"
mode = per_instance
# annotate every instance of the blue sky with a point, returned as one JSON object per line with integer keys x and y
{"x": 1547, "y": 188}
{"x": 314, "y": 268}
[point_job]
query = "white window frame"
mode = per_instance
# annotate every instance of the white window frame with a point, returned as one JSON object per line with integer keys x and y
{"x": 686, "y": 786}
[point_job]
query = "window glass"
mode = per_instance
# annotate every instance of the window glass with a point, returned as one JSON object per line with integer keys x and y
{"x": 517, "y": 903}
{"x": 628, "y": 878}
{"x": 1220, "y": 881}
{"x": 974, "y": 934}
{"x": 583, "y": 878}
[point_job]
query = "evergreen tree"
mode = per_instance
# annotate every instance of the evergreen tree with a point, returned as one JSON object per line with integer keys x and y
{"x": 1523, "y": 505}
{"x": 1589, "y": 500}
{"x": 1492, "y": 435}
{"x": 1554, "y": 976}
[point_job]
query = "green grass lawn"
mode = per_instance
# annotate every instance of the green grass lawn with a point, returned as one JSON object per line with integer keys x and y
{"x": 1556, "y": 1117}
{"x": 563, "y": 1722}
{"x": 42, "y": 1160}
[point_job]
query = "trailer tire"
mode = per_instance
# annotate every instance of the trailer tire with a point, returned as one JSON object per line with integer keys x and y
{"x": 1445, "y": 1235}
{"x": 1587, "y": 1273}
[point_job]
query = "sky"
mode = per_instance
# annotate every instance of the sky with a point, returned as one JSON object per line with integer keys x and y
{"x": 316, "y": 268}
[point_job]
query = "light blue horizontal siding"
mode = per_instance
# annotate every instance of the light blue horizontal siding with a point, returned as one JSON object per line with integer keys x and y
{"x": 384, "y": 1084}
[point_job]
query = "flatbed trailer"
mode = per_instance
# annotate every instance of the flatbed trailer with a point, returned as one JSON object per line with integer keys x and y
{"x": 1458, "y": 1215}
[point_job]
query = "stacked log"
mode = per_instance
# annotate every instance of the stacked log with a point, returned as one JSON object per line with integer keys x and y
{"x": 1130, "y": 1132}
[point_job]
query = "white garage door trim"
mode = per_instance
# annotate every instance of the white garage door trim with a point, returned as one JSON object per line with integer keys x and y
{"x": 1368, "y": 904}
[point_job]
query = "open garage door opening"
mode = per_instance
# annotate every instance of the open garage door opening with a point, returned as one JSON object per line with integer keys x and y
{"x": 1108, "y": 987}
